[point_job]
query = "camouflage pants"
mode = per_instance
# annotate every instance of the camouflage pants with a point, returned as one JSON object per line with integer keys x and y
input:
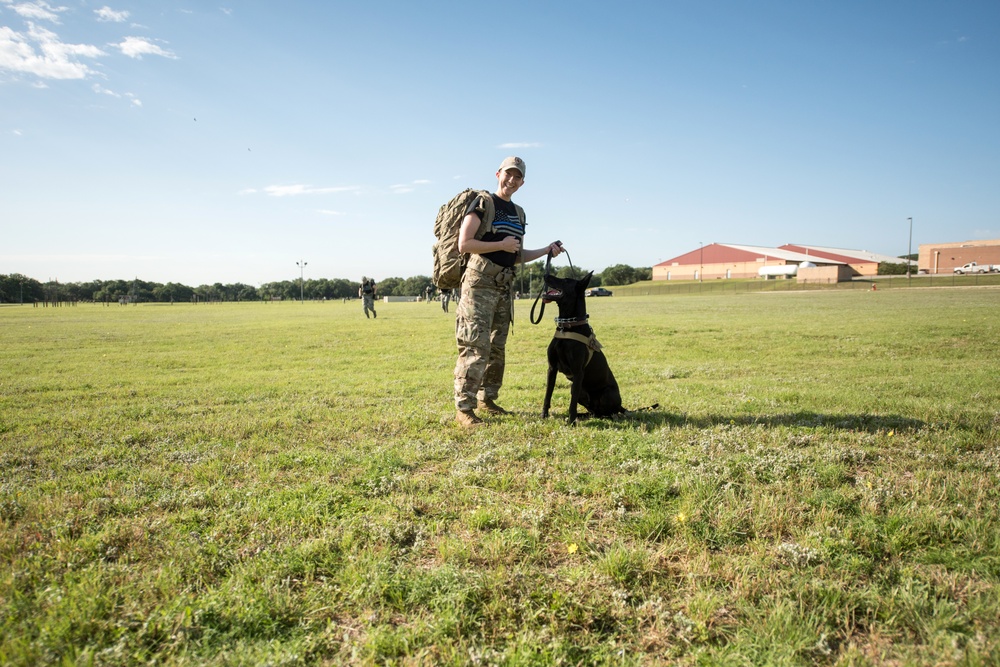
{"x": 369, "y": 304}
{"x": 481, "y": 325}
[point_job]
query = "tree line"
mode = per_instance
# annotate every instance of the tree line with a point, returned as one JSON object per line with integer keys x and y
{"x": 18, "y": 288}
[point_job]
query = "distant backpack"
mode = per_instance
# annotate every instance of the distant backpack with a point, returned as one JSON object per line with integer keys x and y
{"x": 449, "y": 263}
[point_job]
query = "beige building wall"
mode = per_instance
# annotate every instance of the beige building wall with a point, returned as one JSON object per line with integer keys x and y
{"x": 723, "y": 270}
{"x": 864, "y": 268}
{"x": 838, "y": 273}
{"x": 944, "y": 257}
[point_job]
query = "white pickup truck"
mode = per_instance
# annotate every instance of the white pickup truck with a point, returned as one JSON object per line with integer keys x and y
{"x": 973, "y": 267}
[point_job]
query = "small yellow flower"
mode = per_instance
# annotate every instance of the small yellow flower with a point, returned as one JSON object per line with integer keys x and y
{"x": 572, "y": 548}
{"x": 681, "y": 517}
{"x": 892, "y": 433}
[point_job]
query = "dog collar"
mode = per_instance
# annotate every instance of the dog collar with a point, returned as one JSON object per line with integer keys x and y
{"x": 572, "y": 321}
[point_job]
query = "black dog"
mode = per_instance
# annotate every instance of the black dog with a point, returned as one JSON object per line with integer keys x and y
{"x": 575, "y": 352}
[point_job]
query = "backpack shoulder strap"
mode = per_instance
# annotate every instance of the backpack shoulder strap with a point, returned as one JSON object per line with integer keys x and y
{"x": 520, "y": 214}
{"x": 489, "y": 213}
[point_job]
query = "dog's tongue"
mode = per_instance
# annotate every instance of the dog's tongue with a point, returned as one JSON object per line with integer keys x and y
{"x": 551, "y": 295}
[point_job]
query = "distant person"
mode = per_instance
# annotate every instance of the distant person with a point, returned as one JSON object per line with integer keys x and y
{"x": 485, "y": 306}
{"x": 428, "y": 293}
{"x": 366, "y": 291}
{"x": 445, "y": 298}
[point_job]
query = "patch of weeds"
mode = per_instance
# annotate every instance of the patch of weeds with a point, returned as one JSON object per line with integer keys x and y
{"x": 797, "y": 555}
{"x": 624, "y": 565}
{"x": 11, "y": 508}
{"x": 510, "y": 546}
{"x": 483, "y": 463}
{"x": 18, "y": 465}
{"x": 689, "y": 630}
{"x": 402, "y": 534}
{"x": 381, "y": 486}
{"x": 768, "y": 465}
{"x": 880, "y": 492}
{"x": 654, "y": 525}
{"x": 177, "y": 500}
{"x": 535, "y": 517}
{"x": 187, "y": 457}
{"x": 484, "y": 519}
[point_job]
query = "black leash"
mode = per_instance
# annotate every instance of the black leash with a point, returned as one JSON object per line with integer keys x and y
{"x": 548, "y": 265}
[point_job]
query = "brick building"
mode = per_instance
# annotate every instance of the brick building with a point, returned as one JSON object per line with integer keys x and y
{"x": 944, "y": 257}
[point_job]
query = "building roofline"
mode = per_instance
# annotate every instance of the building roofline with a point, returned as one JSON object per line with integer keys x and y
{"x": 863, "y": 255}
{"x": 778, "y": 253}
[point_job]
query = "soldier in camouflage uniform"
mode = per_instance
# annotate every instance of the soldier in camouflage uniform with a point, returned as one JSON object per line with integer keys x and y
{"x": 485, "y": 306}
{"x": 367, "y": 293}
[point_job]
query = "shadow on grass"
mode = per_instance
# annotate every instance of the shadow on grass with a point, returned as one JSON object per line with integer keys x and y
{"x": 869, "y": 423}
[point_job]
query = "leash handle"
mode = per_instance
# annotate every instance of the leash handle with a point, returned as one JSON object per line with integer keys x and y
{"x": 548, "y": 266}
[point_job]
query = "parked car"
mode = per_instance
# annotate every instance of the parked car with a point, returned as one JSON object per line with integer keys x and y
{"x": 598, "y": 291}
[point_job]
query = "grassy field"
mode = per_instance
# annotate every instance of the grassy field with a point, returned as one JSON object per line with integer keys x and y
{"x": 284, "y": 484}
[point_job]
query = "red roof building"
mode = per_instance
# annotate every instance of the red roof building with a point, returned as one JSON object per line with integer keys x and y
{"x": 729, "y": 261}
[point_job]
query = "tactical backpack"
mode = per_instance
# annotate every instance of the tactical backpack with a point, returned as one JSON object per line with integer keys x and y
{"x": 449, "y": 263}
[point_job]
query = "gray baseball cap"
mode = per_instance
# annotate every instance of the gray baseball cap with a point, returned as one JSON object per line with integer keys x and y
{"x": 512, "y": 163}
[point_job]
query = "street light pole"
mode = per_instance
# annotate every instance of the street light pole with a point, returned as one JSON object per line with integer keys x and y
{"x": 302, "y": 280}
{"x": 701, "y": 261}
{"x": 909, "y": 253}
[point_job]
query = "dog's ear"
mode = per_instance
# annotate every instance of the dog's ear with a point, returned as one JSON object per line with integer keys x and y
{"x": 586, "y": 280}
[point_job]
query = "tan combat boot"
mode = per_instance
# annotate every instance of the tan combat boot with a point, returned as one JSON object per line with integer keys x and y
{"x": 467, "y": 419}
{"x": 491, "y": 407}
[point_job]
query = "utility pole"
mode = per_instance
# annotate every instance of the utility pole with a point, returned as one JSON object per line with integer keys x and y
{"x": 701, "y": 261}
{"x": 302, "y": 280}
{"x": 909, "y": 253}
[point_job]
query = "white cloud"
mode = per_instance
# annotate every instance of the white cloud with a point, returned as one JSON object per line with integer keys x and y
{"x": 106, "y": 14}
{"x": 137, "y": 47}
{"x": 403, "y": 188}
{"x": 41, "y": 10}
{"x": 53, "y": 59}
{"x": 295, "y": 190}
{"x": 521, "y": 144}
{"x": 101, "y": 90}
{"x": 330, "y": 213}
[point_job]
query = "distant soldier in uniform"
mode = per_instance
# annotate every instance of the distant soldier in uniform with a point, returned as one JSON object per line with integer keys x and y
{"x": 367, "y": 293}
{"x": 445, "y": 299}
{"x": 485, "y": 305}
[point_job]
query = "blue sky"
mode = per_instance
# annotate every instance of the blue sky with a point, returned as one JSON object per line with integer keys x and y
{"x": 201, "y": 143}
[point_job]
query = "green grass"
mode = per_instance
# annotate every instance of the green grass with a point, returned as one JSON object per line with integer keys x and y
{"x": 284, "y": 484}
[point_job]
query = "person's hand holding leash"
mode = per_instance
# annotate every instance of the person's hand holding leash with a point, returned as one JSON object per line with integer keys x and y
{"x": 556, "y": 248}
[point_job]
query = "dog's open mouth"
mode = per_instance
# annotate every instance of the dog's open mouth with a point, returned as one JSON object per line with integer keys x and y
{"x": 552, "y": 294}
